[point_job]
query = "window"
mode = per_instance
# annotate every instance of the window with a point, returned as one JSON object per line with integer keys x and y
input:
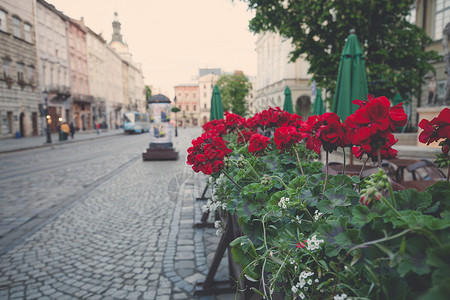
{"x": 187, "y": 107}
{"x": 30, "y": 74}
{"x": 193, "y": 96}
{"x": 2, "y": 21}
{"x": 195, "y": 107}
{"x": 20, "y": 72}
{"x": 6, "y": 72}
{"x": 442, "y": 16}
{"x": 16, "y": 24}
{"x": 441, "y": 91}
{"x": 187, "y": 95}
{"x": 27, "y": 31}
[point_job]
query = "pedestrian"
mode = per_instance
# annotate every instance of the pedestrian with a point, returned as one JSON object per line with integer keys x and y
{"x": 72, "y": 129}
{"x": 98, "y": 128}
{"x": 64, "y": 131}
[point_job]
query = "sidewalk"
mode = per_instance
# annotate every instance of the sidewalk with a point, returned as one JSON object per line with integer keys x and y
{"x": 14, "y": 144}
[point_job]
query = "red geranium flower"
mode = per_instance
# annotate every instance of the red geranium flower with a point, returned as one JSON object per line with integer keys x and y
{"x": 207, "y": 153}
{"x": 233, "y": 121}
{"x": 287, "y": 136}
{"x": 436, "y": 129}
{"x": 258, "y": 143}
{"x": 244, "y": 136}
{"x": 215, "y": 127}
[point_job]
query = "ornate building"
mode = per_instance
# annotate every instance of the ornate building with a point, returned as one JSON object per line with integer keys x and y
{"x": 206, "y": 81}
{"x": 188, "y": 100}
{"x": 133, "y": 80}
{"x": 19, "y": 92}
{"x": 79, "y": 77}
{"x": 275, "y": 73}
{"x": 53, "y": 62}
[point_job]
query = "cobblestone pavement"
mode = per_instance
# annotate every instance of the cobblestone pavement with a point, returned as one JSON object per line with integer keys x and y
{"x": 130, "y": 238}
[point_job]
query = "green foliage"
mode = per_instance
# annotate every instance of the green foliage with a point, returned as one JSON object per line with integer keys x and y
{"x": 397, "y": 247}
{"x": 148, "y": 94}
{"x": 318, "y": 30}
{"x": 233, "y": 90}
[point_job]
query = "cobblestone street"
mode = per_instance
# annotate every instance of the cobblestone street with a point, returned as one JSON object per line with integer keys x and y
{"x": 132, "y": 237}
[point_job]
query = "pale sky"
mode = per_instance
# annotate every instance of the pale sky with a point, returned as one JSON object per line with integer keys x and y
{"x": 174, "y": 38}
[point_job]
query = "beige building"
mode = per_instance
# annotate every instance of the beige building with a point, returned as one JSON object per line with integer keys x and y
{"x": 114, "y": 90}
{"x": 19, "y": 92}
{"x": 206, "y": 81}
{"x": 132, "y": 78}
{"x": 275, "y": 72}
{"x": 432, "y": 16}
{"x": 53, "y": 62}
{"x": 188, "y": 101}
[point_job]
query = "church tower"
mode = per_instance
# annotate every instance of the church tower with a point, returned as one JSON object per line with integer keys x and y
{"x": 116, "y": 36}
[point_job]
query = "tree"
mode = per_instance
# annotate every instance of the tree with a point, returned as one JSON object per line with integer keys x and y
{"x": 148, "y": 94}
{"x": 393, "y": 47}
{"x": 233, "y": 90}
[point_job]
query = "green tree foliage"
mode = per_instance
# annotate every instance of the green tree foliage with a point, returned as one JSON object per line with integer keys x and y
{"x": 392, "y": 46}
{"x": 233, "y": 90}
{"x": 148, "y": 94}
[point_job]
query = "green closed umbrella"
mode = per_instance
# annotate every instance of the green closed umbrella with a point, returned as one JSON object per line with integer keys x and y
{"x": 216, "y": 105}
{"x": 287, "y": 106}
{"x": 351, "y": 82}
{"x": 318, "y": 108}
{"x": 397, "y": 99}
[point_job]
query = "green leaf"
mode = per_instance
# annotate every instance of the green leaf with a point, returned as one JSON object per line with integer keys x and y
{"x": 338, "y": 236}
{"x": 412, "y": 199}
{"x": 414, "y": 220}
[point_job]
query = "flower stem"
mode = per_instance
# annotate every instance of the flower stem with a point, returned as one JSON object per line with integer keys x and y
{"x": 364, "y": 165}
{"x": 298, "y": 160}
{"x": 281, "y": 180}
{"x": 390, "y": 206}
{"x": 448, "y": 173}
{"x": 343, "y": 168}
{"x": 231, "y": 179}
{"x": 326, "y": 176}
{"x": 379, "y": 157}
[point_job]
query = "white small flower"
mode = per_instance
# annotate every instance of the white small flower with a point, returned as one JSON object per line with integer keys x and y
{"x": 294, "y": 289}
{"x": 341, "y": 297}
{"x": 302, "y": 296}
{"x": 219, "y": 232}
{"x": 305, "y": 288}
{"x": 205, "y": 208}
{"x": 283, "y": 202}
{"x": 217, "y": 224}
{"x": 292, "y": 261}
{"x": 316, "y": 280}
{"x": 309, "y": 281}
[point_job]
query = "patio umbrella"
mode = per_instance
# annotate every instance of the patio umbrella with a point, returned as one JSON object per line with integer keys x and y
{"x": 287, "y": 106}
{"x": 318, "y": 108}
{"x": 397, "y": 99}
{"x": 351, "y": 81}
{"x": 216, "y": 105}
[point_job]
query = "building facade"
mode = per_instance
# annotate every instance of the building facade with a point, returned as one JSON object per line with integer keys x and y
{"x": 53, "y": 62}
{"x": 206, "y": 81}
{"x": 19, "y": 92}
{"x": 82, "y": 99}
{"x": 188, "y": 101}
{"x": 275, "y": 72}
{"x": 433, "y": 16}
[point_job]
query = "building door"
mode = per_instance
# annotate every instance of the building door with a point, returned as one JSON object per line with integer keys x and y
{"x": 34, "y": 120}
{"x": 21, "y": 125}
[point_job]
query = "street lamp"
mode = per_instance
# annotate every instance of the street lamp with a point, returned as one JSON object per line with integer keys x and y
{"x": 175, "y": 109}
{"x": 48, "y": 118}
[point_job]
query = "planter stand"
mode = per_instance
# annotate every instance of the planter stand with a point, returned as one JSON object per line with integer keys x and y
{"x": 211, "y": 287}
{"x": 203, "y": 194}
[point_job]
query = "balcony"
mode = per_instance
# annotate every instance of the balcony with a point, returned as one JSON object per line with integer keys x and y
{"x": 60, "y": 92}
{"x": 82, "y": 98}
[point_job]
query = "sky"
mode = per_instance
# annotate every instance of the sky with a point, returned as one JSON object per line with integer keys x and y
{"x": 174, "y": 38}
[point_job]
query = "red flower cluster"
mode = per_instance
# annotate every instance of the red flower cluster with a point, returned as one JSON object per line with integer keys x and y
{"x": 244, "y": 136}
{"x": 436, "y": 129}
{"x": 327, "y": 131}
{"x": 287, "y": 136}
{"x": 373, "y": 123}
{"x": 273, "y": 118}
{"x": 258, "y": 143}
{"x": 207, "y": 153}
{"x": 233, "y": 121}
{"x": 215, "y": 127}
